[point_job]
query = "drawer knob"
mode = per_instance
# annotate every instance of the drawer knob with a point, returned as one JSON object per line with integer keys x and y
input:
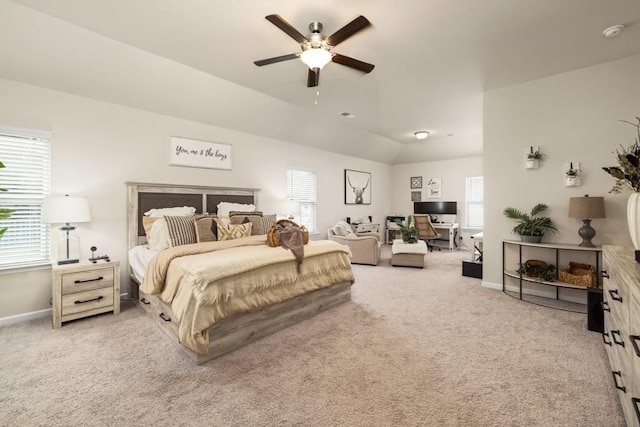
{"x": 97, "y": 279}
{"x": 165, "y": 317}
{"x": 605, "y": 306}
{"x": 605, "y": 274}
{"x": 635, "y": 402}
{"x": 144, "y": 301}
{"x": 615, "y": 295}
{"x": 616, "y": 375}
{"x": 618, "y": 340}
{"x": 634, "y": 342}
{"x": 88, "y": 300}
{"x": 605, "y": 335}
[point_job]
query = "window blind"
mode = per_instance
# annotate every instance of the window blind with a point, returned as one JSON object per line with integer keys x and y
{"x": 26, "y": 178}
{"x": 301, "y": 186}
{"x": 474, "y": 213}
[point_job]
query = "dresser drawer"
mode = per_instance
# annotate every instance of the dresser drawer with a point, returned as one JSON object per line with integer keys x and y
{"x": 88, "y": 300}
{"x": 83, "y": 281}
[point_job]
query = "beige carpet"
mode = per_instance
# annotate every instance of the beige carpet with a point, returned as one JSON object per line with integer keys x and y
{"x": 414, "y": 348}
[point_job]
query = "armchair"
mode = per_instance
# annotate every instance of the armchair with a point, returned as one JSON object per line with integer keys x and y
{"x": 364, "y": 249}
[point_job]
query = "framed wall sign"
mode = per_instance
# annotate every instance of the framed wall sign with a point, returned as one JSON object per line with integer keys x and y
{"x": 416, "y": 182}
{"x": 434, "y": 188}
{"x": 199, "y": 154}
{"x": 357, "y": 187}
{"x": 416, "y": 196}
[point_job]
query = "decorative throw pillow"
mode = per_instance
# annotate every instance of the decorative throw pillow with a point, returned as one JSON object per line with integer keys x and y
{"x": 225, "y": 207}
{"x": 181, "y": 230}
{"x": 157, "y": 237}
{"x": 177, "y": 211}
{"x": 233, "y": 231}
{"x": 206, "y": 229}
{"x": 339, "y": 230}
{"x": 254, "y": 217}
{"x": 268, "y": 221}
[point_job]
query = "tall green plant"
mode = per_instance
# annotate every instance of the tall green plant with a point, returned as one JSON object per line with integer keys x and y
{"x": 4, "y": 213}
{"x": 408, "y": 231}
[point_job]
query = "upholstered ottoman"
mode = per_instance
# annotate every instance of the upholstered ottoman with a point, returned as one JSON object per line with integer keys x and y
{"x": 408, "y": 254}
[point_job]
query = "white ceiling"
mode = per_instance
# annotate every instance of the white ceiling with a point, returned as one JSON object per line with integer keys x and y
{"x": 434, "y": 59}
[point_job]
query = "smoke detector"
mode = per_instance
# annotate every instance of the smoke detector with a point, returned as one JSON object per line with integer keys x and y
{"x": 612, "y": 31}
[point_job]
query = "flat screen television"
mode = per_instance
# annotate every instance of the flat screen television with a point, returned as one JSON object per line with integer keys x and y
{"x": 435, "y": 208}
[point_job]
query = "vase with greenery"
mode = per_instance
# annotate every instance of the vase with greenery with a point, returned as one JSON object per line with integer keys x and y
{"x": 533, "y": 156}
{"x": 627, "y": 175}
{"x": 4, "y": 212}
{"x": 408, "y": 231}
{"x": 530, "y": 226}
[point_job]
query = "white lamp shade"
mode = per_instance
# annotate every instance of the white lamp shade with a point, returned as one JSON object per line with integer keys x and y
{"x": 291, "y": 207}
{"x": 66, "y": 209}
{"x": 316, "y": 57}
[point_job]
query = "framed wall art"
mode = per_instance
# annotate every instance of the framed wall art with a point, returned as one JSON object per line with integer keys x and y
{"x": 416, "y": 196}
{"x": 434, "y": 188}
{"x": 357, "y": 187}
{"x": 416, "y": 182}
{"x": 199, "y": 154}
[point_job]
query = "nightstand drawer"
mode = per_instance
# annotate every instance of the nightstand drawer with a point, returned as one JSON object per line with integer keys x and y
{"x": 83, "y": 281}
{"x": 85, "y": 301}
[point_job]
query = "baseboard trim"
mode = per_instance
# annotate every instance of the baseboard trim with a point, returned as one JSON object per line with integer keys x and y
{"x": 9, "y": 320}
{"x": 491, "y": 285}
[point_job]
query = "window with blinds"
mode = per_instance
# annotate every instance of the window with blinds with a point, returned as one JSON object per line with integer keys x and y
{"x": 474, "y": 213}
{"x": 26, "y": 178}
{"x": 301, "y": 186}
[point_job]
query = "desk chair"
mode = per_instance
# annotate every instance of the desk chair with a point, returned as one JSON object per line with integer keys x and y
{"x": 426, "y": 231}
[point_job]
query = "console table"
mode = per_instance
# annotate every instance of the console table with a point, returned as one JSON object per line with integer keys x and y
{"x": 553, "y": 253}
{"x": 451, "y": 230}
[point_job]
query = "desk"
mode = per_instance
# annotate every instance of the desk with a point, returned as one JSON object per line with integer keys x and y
{"x": 451, "y": 231}
{"x": 477, "y": 247}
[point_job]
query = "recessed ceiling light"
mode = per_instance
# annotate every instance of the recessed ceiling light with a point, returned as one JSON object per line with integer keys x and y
{"x": 348, "y": 115}
{"x": 612, "y": 31}
{"x": 421, "y": 134}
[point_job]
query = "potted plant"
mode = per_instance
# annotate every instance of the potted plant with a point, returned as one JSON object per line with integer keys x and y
{"x": 530, "y": 227}
{"x": 533, "y": 156}
{"x": 4, "y": 212}
{"x": 408, "y": 231}
{"x": 627, "y": 174}
{"x": 571, "y": 177}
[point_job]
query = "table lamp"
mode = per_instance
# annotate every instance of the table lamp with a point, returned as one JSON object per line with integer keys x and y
{"x": 586, "y": 208}
{"x": 65, "y": 210}
{"x": 291, "y": 208}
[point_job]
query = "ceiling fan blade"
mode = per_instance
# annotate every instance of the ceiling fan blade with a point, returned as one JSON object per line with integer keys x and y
{"x": 353, "y": 63}
{"x": 313, "y": 78}
{"x": 358, "y": 24}
{"x": 275, "y": 59}
{"x": 287, "y": 28}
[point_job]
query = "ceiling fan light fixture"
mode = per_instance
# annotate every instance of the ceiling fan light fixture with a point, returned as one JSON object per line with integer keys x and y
{"x": 421, "y": 134}
{"x": 316, "y": 57}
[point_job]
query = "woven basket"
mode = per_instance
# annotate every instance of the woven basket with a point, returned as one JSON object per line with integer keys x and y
{"x": 274, "y": 241}
{"x": 534, "y": 267}
{"x": 579, "y": 274}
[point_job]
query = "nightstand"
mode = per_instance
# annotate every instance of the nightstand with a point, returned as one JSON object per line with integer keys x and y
{"x": 84, "y": 289}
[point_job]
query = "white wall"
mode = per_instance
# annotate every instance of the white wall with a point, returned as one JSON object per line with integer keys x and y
{"x": 453, "y": 174}
{"x": 572, "y": 117}
{"x": 99, "y": 146}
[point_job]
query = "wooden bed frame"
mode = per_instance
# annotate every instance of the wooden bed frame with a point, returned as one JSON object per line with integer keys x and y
{"x": 236, "y": 331}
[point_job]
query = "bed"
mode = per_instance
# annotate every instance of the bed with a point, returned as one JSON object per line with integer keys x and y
{"x": 214, "y": 297}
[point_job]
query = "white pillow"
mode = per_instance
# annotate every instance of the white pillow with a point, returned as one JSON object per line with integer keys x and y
{"x": 177, "y": 211}
{"x": 339, "y": 230}
{"x": 225, "y": 207}
{"x": 158, "y": 238}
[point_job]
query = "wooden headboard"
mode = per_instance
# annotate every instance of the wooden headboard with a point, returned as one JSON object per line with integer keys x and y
{"x": 144, "y": 196}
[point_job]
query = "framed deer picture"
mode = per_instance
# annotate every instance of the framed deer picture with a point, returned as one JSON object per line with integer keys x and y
{"x": 357, "y": 187}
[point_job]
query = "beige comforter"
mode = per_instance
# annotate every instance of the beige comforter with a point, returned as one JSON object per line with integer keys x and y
{"x": 208, "y": 282}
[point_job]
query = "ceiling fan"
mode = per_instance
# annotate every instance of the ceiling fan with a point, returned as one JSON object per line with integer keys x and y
{"x": 316, "y": 47}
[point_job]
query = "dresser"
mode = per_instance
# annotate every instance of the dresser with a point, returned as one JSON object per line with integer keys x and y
{"x": 621, "y": 304}
{"x": 84, "y": 289}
